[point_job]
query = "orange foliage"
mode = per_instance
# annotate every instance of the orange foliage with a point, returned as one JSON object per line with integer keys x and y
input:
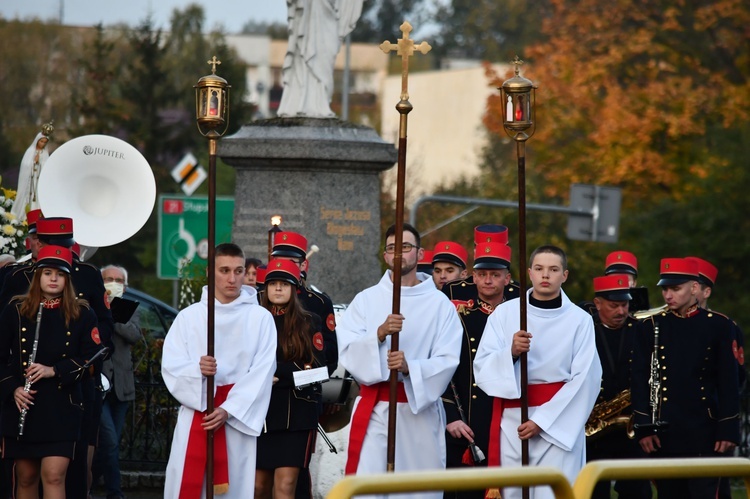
{"x": 628, "y": 89}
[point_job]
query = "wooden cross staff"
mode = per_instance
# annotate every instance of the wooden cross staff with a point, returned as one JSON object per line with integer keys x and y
{"x": 405, "y": 48}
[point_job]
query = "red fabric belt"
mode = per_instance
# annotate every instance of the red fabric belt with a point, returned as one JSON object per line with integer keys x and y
{"x": 195, "y": 455}
{"x": 537, "y": 395}
{"x": 371, "y": 395}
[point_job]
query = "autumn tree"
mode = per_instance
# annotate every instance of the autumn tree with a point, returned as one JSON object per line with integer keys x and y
{"x": 652, "y": 97}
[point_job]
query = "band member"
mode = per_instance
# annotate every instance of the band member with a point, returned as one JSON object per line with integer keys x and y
{"x": 287, "y": 441}
{"x": 707, "y": 274}
{"x": 684, "y": 382}
{"x": 448, "y": 263}
{"x": 89, "y": 286}
{"x": 46, "y": 336}
{"x": 564, "y": 374}
{"x": 465, "y": 289}
{"x": 468, "y": 409}
{"x": 293, "y": 246}
{"x": 243, "y": 367}
{"x": 625, "y": 262}
{"x": 429, "y": 346}
{"x": 607, "y": 428}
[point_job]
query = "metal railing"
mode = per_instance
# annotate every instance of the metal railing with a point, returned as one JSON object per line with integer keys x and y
{"x": 639, "y": 469}
{"x": 472, "y": 479}
{"x": 451, "y": 480}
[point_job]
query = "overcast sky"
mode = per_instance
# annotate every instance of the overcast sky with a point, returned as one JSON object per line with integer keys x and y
{"x": 232, "y": 14}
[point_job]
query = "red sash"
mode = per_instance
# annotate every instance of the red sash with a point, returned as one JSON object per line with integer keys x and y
{"x": 194, "y": 469}
{"x": 371, "y": 395}
{"x": 538, "y": 395}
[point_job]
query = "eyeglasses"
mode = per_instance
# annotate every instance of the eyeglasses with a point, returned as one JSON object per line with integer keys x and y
{"x": 405, "y": 248}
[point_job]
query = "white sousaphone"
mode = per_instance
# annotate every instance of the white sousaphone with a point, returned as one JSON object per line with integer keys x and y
{"x": 104, "y": 184}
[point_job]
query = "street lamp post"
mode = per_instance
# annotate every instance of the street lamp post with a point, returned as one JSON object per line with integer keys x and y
{"x": 212, "y": 116}
{"x": 519, "y": 99}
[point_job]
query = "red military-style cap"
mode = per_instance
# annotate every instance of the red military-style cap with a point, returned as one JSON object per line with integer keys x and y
{"x": 425, "y": 264}
{"x": 450, "y": 252}
{"x": 260, "y": 276}
{"x": 619, "y": 262}
{"x": 55, "y": 230}
{"x": 491, "y": 256}
{"x": 31, "y": 219}
{"x": 282, "y": 270}
{"x": 289, "y": 244}
{"x": 674, "y": 271}
{"x": 490, "y": 233}
{"x": 707, "y": 272}
{"x": 55, "y": 257}
{"x": 613, "y": 287}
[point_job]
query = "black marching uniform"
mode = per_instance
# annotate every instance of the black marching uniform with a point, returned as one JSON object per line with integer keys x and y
{"x": 615, "y": 348}
{"x": 320, "y": 304}
{"x": 54, "y": 422}
{"x": 288, "y": 437}
{"x": 89, "y": 285}
{"x": 698, "y": 400}
{"x": 476, "y": 405}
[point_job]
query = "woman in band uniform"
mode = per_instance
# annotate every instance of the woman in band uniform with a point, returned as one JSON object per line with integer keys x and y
{"x": 41, "y": 423}
{"x": 292, "y": 420}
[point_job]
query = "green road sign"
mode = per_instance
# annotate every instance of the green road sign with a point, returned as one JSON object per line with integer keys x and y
{"x": 183, "y": 231}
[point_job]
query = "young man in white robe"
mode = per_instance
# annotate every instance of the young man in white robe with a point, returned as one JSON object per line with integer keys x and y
{"x": 564, "y": 374}
{"x": 243, "y": 368}
{"x": 429, "y": 346}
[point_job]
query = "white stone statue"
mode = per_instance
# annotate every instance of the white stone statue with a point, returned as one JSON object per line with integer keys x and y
{"x": 28, "y": 176}
{"x": 316, "y": 29}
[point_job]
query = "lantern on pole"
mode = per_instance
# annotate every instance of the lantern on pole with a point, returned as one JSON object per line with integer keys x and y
{"x": 275, "y": 222}
{"x": 212, "y": 116}
{"x": 519, "y": 100}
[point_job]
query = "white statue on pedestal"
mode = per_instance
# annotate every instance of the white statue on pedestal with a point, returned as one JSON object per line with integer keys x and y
{"x": 316, "y": 28}
{"x": 28, "y": 176}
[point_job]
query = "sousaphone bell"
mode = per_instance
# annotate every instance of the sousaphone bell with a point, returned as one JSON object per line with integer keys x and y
{"x": 103, "y": 183}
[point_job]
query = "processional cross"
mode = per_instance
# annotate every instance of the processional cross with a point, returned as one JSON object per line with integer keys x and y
{"x": 405, "y": 47}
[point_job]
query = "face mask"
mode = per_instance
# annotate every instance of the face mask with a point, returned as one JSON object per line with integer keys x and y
{"x": 114, "y": 289}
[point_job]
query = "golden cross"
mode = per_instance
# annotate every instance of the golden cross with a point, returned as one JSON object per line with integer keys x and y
{"x": 214, "y": 62}
{"x": 518, "y": 62}
{"x": 405, "y": 48}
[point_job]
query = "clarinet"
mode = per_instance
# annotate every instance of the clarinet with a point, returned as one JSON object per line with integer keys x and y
{"x": 32, "y": 357}
{"x": 655, "y": 379}
{"x": 654, "y": 383}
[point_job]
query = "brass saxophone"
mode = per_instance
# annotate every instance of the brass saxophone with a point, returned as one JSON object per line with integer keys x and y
{"x": 607, "y": 415}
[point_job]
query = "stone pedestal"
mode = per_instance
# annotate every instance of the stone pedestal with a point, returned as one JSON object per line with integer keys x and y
{"x": 322, "y": 177}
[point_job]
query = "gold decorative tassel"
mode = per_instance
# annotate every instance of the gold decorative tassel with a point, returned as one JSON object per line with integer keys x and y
{"x": 493, "y": 494}
{"x": 221, "y": 488}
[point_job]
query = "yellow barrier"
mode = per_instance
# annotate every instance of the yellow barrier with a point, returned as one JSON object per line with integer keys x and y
{"x": 453, "y": 479}
{"x": 630, "y": 469}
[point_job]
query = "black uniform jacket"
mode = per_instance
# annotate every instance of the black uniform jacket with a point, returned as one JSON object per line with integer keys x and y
{"x": 292, "y": 408}
{"x": 476, "y": 404}
{"x": 698, "y": 397}
{"x": 88, "y": 283}
{"x": 615, "y": 348}
{"x": 464, "y": 291}
{"x": 57, "y": 410}
{"x": 320, "y": 304}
